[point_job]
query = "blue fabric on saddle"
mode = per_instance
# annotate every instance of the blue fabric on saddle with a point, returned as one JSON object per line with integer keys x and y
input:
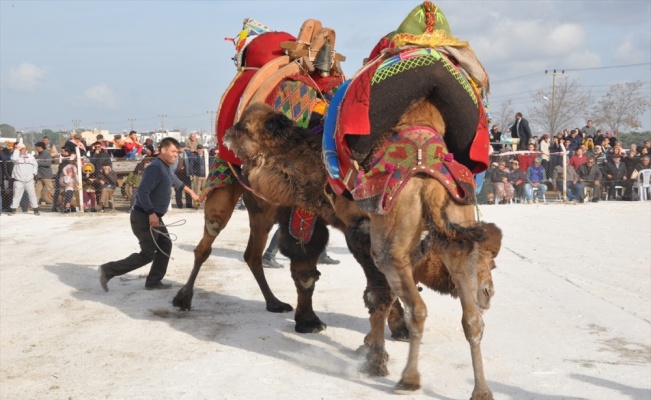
{"x": 330, "y": 158}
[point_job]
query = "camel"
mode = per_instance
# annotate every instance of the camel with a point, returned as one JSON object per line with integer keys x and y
{"x": 274, "y": 75}
{"x": 280, "y": 161}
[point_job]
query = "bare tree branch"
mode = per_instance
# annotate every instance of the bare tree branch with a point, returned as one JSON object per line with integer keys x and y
{"x": 621, "y": 107}
{"x": 569, "y": 101}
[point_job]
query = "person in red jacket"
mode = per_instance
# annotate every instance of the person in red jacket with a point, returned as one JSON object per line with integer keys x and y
{"x": 132, "y": 146}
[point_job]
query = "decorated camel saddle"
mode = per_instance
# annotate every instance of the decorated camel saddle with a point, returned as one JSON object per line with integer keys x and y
{"x": 296, "y": 75}
{"x": 421, "y": 60}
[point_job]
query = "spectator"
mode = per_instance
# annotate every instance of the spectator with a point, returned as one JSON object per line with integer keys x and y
{"x": 198, "y": 169}
{"x": 99, "y": 156}
{"x": 192, "y": 142}
{"x": 535, "y": 178}
{"x": 526, "y": 159}
{"x": 118, "y": 147}
{"x": 588, "y": 130}
{"x": 502, "y": 189}
{"x": 573, "y": 188}
{"x": 520, "y": 130}
{"x": 516, "y": 179}
{"x": 578, "y": 159}
{"x": 149, "y": 151}
{"x": 606, "y": 148}
{"x": 132, "y": 146}
{"x": 61, "y": 186}
{"x": 89, "y": 186}
{"x": 77, "y": 140}
{"x": 643, "y": 163}
{"x": 555, "y": 155}
{"x": 599, "y": 138}
{"x": 44, "y": 175}
{"x": 107, "y": 181}
{"x": 102, "y": 142}
{"x": 5, "y": 160}
{"x": 52, "y": 149}
{"x": 589, "y": 144}
{"x": 495, "y": 137}
{"x": 25, "y": 168}
{"x": 575, "y": 141}
{"x": 132, "y": 182}
{"x": 590, "y": 177}
{"x": 611, "y": 136}
{"x": 600, "y": 156}
{"x": 181, "y": 169}
{"x": 544, "y": 145}
{"x": 615, "y": 175}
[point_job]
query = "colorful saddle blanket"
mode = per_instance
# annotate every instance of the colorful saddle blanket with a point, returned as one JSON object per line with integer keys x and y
{"x": 417, "y": 150}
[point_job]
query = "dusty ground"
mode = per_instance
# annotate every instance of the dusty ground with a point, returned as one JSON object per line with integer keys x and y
{"x": 571, "y": 318}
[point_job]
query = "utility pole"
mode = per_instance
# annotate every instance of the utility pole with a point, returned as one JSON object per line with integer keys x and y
{"x": 99, "y": 125}
{"x": 552, "y": 124}
{"x": 76, "y": 123}
{"x": 131, "y": 121}
{"x": 211, "y": 123}
{"x": 162, "y": 121}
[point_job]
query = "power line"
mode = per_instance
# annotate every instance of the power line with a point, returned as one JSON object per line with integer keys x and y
{"x": 609, "y": 67}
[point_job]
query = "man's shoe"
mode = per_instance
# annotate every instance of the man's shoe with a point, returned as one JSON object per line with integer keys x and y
{"x": 12, "y": 211}
{"x": 158, "y": 286}
{"x": 324, "y": 258}
{"x": 36, "y": 212}
{"x": 103, "y": 278}
{"x": 271, "y": 263}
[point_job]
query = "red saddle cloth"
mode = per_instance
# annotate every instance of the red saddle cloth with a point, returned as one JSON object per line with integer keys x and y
{"x": 417, "y": 150}
{"x": 260, "y": 51}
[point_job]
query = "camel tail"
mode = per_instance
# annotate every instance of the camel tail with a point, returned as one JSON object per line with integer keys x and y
{"x": 440, "y": 210}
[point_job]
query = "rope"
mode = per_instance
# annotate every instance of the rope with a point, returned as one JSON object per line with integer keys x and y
{"x": 172, "y": 237}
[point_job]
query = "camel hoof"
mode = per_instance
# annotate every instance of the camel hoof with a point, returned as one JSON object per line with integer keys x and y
{"x": 315, "y": 326}
{"x": 376, "y": 361}
{"x": 401, "y": 336}
{"x": 279, "y": 307}
{"x": 482, "y": 394}
{"x": 406, "y": 388}
{"x": 183, "y": 299}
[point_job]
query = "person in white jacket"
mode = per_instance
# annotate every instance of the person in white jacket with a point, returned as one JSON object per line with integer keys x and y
{"x": 25, "y": 168}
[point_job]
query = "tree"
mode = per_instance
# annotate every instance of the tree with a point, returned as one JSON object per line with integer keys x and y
{"x": 7, "y": 131}
{"x": 559, "y": 107}
{"x": 504, "y": 115}
{"x": 621, "y": 107}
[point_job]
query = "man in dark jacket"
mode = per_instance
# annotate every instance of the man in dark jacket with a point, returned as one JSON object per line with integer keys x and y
{"x": 616, "y": 175}
{"x": 590, "y": 176}
{"x": 44, "y": 175}
{"x": 152, "y": 201}
{"x": 520, "y": 129}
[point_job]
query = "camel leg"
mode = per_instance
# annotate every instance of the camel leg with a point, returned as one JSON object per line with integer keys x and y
{"x": 218, "y": 209}
{"x": 461, "y": 260}
{"x": 262, "y": 217}
{"x": 381, "y": 303}
{"x": 303, "y": 258}
{"x": 393, "y": 237}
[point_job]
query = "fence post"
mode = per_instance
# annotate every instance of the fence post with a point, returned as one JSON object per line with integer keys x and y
{"x": 79, "y": 183}
{"x": 564, "y": 173}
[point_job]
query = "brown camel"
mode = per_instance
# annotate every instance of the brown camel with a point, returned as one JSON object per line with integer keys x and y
{"x": 282, "y": 163}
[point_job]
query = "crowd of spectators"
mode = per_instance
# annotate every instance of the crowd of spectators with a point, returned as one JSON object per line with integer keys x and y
{"x": 53, "y": 177}
{"x": 597, "y": 165}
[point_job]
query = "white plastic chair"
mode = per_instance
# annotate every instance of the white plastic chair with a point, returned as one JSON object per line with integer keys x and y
{"x": 534, "y": 195}
{"x": 643, "y": 184}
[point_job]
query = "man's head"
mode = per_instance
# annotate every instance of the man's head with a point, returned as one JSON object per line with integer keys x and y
{"x": 589, "y": 124}
{"x": 532, "y": 147}
{"x": 200, "y": 148}
{"x": 518, "y": 115}
{"x": 40, "y": 146}
{"x": 515, "y": 164}
{"x": 579, "y": 152}
{"x": 645, "y": 160}
{"x": 597, "y": 149}
{"x": 46, "y": 140}
{"x": 96, "y": 147}
{"x": 99, "y": 137}
{"x": 537, "y": 161}
{"x": 77, "y": 136}
{"x": 590, "y": 160}
{"x": 616, "y": 157}
{"x": 21, "y": 147}
{"x": 106, "y": 168}
{"x": 169, "y": 150}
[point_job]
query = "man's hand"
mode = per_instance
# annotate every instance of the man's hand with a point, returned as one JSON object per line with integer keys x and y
{"x": 154, "y": 221}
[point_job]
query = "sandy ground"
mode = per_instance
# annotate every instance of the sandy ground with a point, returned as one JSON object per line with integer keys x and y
{"x": 571, "y": 318}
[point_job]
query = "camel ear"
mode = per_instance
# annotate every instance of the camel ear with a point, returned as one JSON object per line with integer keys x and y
{"x": 279, "y": 125}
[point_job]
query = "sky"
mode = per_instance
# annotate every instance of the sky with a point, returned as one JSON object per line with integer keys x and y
{"x": 118, "y": 65}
